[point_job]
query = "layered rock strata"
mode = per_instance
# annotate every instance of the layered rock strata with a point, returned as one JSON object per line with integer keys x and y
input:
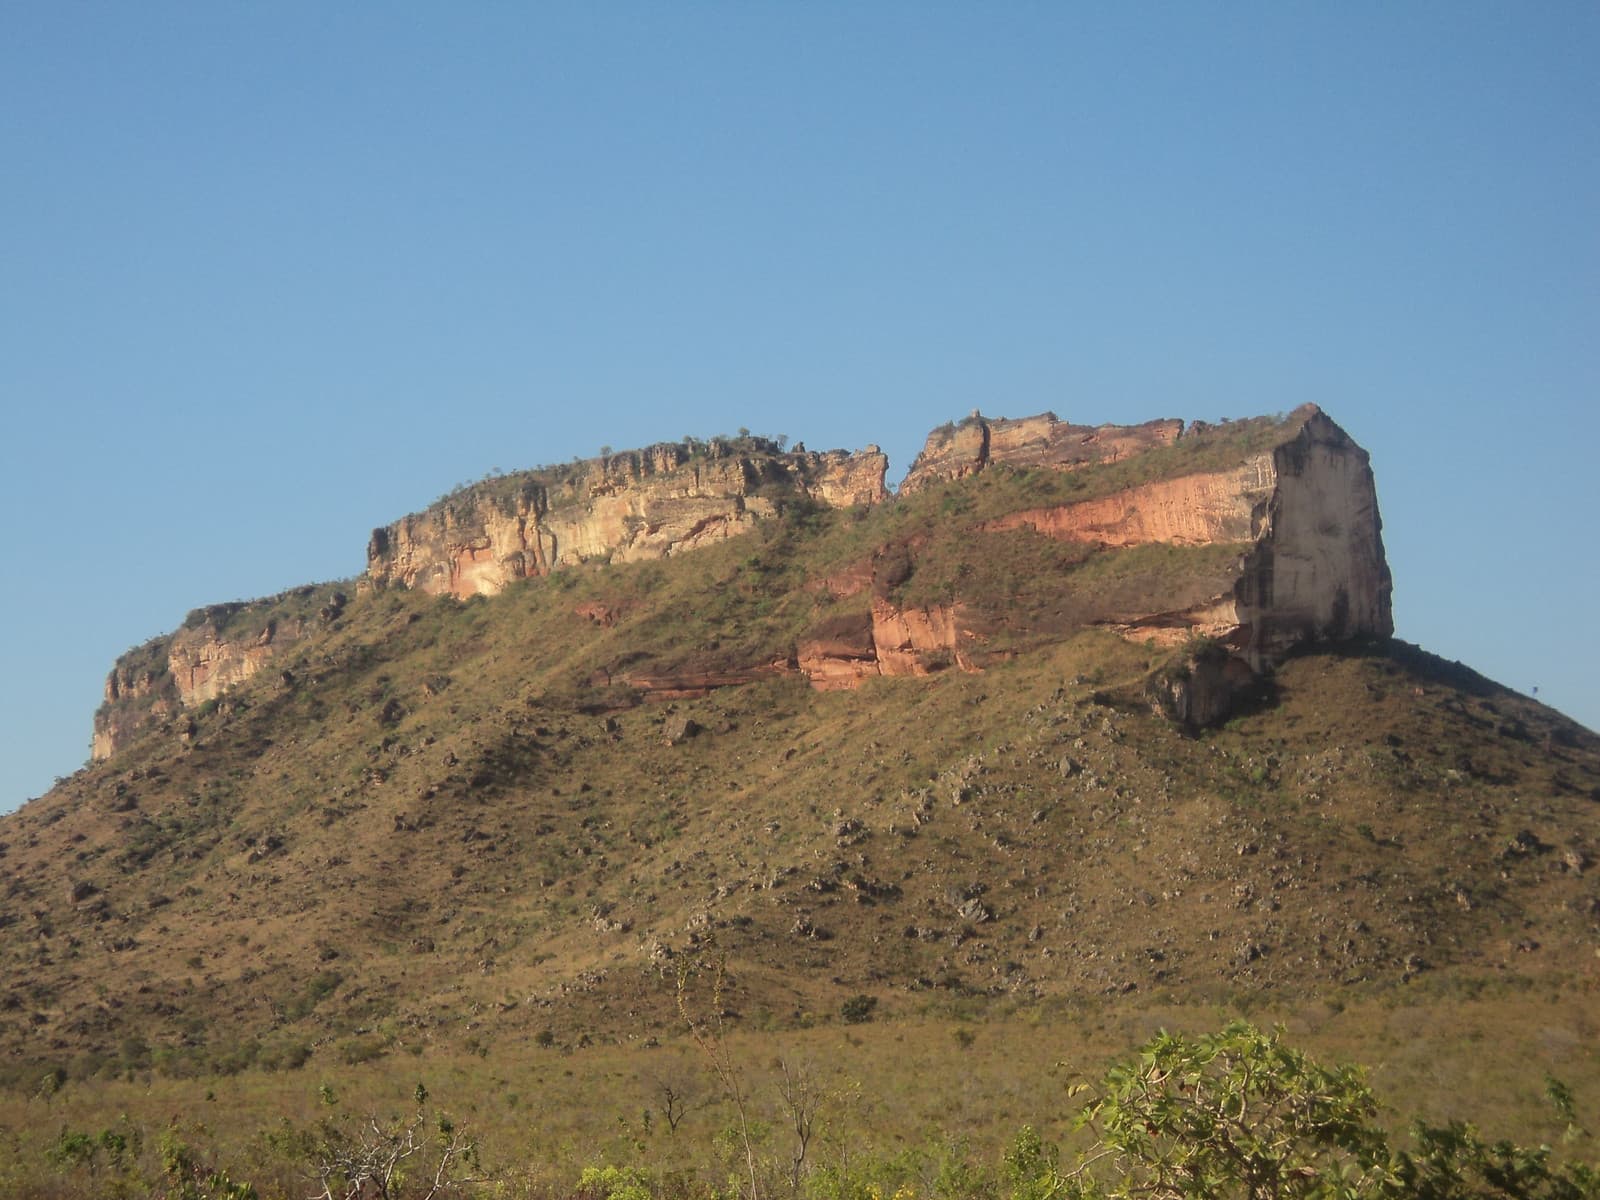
{"x": 1303, "y": 513}
{"x": 1192, "y": 510}
{"x": 219, "y": 647}
{"x": 1295, "y": 496}
{"x": 645, "y": 504}
{"x": 887, "y": 640}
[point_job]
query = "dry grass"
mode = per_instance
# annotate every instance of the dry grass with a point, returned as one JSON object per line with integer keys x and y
{"x": 439, "y": 842}
{"x": 905, "y": 1090}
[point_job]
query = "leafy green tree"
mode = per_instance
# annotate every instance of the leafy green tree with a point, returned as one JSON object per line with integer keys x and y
{"x": 1030, "y": 1167}
{"x": 1454, "y": 1162}
{"x": 1239, "y": 1115}
{"x": 189, "y": 1176}
{"x": 1232, "y": 1114}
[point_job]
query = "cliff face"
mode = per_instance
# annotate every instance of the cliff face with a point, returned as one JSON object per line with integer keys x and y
{"x": 1192, "y": 510}
{"x": 1318, "y": 571}
{"x": 219, "y": 647}
{"x": 1269, "y": 531}
{"x": 1302, "y": 514}
{"x": 139, "y": 692}
{"x": 645, "y": 504}
{"x": 205, "y": 662}
{"x": 886, "y": 640}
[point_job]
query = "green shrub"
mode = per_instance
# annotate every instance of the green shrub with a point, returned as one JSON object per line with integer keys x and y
{"x": 1240, "y": 1114}
{"x": 858, "y": 1008}
{"x": 1030, "y": 1167}
{"x": 614, "y": 1183}
{"x": 356, "y": 1050}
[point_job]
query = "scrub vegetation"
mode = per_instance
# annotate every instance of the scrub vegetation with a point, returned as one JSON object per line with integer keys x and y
{"x": 643, "y": 914}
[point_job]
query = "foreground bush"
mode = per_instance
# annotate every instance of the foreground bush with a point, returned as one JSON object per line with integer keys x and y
{"x": 1240, "y": 1114}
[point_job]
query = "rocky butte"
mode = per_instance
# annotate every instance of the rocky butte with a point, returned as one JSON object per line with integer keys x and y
{"x": 1257, "y": 536}
{"x": 1294, "y": 500}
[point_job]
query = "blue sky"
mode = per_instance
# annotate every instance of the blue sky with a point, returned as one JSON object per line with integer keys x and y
{"x": 275, "y": 274}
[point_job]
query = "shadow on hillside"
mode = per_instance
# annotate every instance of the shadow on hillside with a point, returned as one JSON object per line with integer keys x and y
{"x": 1429, "y": 670}
{"x": 1426, "y": 668}
{"x": 1263, "y": 695}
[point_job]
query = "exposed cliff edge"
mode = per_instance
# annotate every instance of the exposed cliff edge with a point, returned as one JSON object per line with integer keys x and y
{"x": 1260, "y": 535}
{"x": 219, "y": 647}
{"x": 637, "y": 505}
{"x": 1286, "y": 547}
{"x": 1307, "y": 513}
{"x": 956, "y": 450}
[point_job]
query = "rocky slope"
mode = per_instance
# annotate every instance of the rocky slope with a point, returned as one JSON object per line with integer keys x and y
{"x": 353, "y": 824}
{"x": 427, "y": 827}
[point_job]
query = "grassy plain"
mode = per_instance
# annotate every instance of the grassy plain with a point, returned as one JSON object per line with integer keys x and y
{"x": 902, "y": 1102}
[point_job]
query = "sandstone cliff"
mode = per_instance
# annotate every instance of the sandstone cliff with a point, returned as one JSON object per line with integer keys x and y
{"x": 1290, "y": 534}
{"x": 1261, "y": 535}
{"x": 887, "y": 639}
{"x": 643, "y": 504}
{"x": 1305, "y": 514}
{"x": 139, "y": 692}
{"x": 219, "y": 646}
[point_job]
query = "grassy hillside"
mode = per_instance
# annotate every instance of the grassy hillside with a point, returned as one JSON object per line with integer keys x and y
{"x": 446, "y": 840}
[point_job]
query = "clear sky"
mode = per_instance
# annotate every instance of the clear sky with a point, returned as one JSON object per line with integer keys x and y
{"x": 273, "y": 274}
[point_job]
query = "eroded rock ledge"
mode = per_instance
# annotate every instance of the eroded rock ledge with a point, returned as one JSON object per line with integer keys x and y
{"x": 219, "y": 647}
{"x": 1302, "y": 511}
{"x": 642, "y": 504}
{"x": 956, "y": 450}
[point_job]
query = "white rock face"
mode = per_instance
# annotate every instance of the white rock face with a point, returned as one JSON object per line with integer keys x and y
{"x": 1317, "y": 572}
{"x": 1305, "y": 518}
{"x": 629, "y": 507}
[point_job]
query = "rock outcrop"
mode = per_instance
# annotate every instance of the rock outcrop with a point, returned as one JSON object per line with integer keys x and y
{"x": 839, "y": 653}
{"x": 1305, "y": 514}
{"x": 886, "y": 640}
{"x": 956, "y": 450}
{"x": 1199, "y": 688}
{"x": 1191, "y": 510}
{"x": 205, "y": 662}
{"x": 1282, "y": 513}
{"x": 139, "y": 691}
{"x": 219, "y": 647}
{"x": 645, "y": 504}
{"x": 1317, "y": 570}
{"x": 1301, "y": 508}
